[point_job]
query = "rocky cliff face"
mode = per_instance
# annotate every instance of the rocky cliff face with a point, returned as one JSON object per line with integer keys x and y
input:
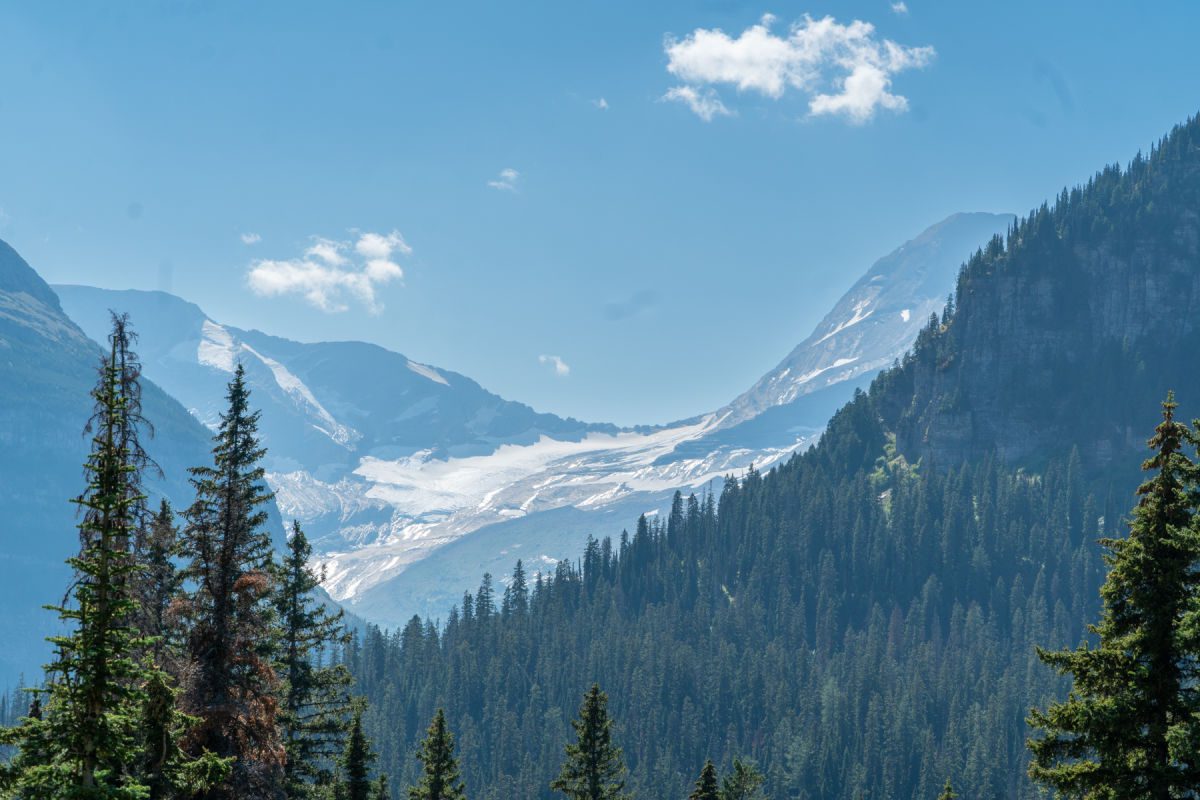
{"x": 1070, "y": 332}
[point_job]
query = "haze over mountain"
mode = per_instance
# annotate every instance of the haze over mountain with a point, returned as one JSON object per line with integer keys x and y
{"x": 413, "y": 480}
{"x": 47, "y": 369}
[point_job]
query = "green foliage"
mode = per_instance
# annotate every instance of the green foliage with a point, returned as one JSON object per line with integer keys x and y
{"x": 593, "y": 769}
{"x": 948, "y": 792}
{"x": 744, "y": 782}
{"x": 356, "y": 762}
{"x": 706, "y": 785}
{"x": 1131, "y": 725}
{"x": 315, "y": 701}
{"x": 440, "y": 779}
{"x": 167, "y": 771}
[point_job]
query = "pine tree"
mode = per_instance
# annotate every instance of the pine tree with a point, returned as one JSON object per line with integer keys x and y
{"x": 743, "y": 782}
{"x": 230, "y": 685}
{"x": 948, "y": 792}
{"x": 382, "y": 789}
{"x": 706, "y": 784}
{"x": 593, "y": 769}
{"x": 356, "y": 762}
{"x": 1129, "y": 726}
{"x": 315, "y": 693}
{"x": 440, "y": 778}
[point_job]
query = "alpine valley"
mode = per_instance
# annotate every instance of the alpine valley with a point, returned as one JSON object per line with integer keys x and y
{"x": 413, "y": 480}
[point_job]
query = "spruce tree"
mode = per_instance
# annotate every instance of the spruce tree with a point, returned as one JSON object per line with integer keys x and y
{"x": 948, "y": 792}
{"x": 1129, "y": 727}
{"x": 383, "y": 790}
{"x": 706, "y": 784}
{"x": 230, "y": 684}
{"x": 593, "y": 769}
{"x": 356, "y": 762}
{"x": 315, "y": 693}
{"x": 440, "y": 778}
{"x": 744, "y": 782}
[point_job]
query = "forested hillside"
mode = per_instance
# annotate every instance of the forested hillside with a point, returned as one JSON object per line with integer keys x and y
{"x": 862, "y": 621}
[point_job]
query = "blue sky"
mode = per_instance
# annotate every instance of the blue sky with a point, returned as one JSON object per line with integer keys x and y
{"x": 625, "y": 260}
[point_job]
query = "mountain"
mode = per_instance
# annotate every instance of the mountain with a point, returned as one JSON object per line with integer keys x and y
{"x": 878, "y": 319}
{"x": 47, "y": 368}
{"x": 413, "y": 480}
{"x": 861, "y": 621}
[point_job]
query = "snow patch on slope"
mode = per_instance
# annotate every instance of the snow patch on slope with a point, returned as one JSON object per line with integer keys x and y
{"x": 428, "y": 372}
{"x": 303, "y": 397}
{"x": 437, "y": 500}
{"x": 217, "y": 348}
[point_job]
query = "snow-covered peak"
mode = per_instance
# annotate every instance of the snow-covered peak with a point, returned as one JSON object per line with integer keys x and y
{"x": 877, "y": 320}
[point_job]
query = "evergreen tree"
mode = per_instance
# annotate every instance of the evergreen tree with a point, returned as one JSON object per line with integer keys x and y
{"x": 356, "y": 762}
{"x": 1129, "y": 728}
{"x": 593, "y": 769}
{"x": 166, "y": 769}
{"x": 229, "y": 684}
{"x": 706, "y": 784}
{"x": 158, "y": 584}
{"x": 315, "y": 693}
{"x": 88, "y": 742}
{"x": 744, "y": 782}
{"x": 89, "y": 723}
{"x": 948, "y": 792}
{"x": 34, "y": 751}
{"x": 383, "y": 790}
{"x": 440, "y": 778}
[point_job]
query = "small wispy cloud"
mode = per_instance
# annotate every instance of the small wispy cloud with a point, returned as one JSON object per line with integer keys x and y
{"x": 331, "y": 273}
{"x": 843, "y": 69}
{"x": 704, "y": 103}
{"x": 250, "y": 238}
{"x": 561, "y": 368}
{"x": 506, "y": 181}
{"x": 900, "y": 8}
{"x": 600, "y": 103}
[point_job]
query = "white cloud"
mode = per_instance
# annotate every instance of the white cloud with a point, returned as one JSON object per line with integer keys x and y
{"x": 600, "y": 103}
{"x": 561, "y": 368}
{"x": 250, "y": 238}
{"x": 333, "y": 273}
{"x": 506, "y": 181}
{"x": 704, "y": 103}
{"x": 843, "y": 69}
{"x": 900, "y": 8}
